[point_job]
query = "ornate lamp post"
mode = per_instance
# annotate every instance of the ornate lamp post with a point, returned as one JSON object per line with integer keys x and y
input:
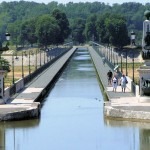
{"x": 22, "y": 66}
{"x": 13, "y": 66}
{"x": 117, "y": 58}
{"x": 30, "y": 53}
{"x": 133, "y": 65}
{"x": 44, "y": 57}
{"x": 36, "y": 60}
{"x": 2, "y": 72}
{"x": 40, "y": 57}
{"x": 133, "y": 43}
{"x": 121, "y": 62}
{"x": 126, "y": 63}
{"x": 47, "y": 50}
{"x": 13, "y": 79}
{"x": 114, "y": 58}
{"x": 111, "y": 54}
{"x": 132, "y": 38}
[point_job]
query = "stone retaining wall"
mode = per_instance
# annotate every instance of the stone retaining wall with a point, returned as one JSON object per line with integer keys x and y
{"x": 112, "y": 112}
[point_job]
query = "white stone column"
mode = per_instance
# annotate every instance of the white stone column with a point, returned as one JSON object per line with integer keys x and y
{"x": 144, "y": 71}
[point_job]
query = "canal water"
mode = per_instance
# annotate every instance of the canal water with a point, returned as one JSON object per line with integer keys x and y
{"x": 72, "y": 118}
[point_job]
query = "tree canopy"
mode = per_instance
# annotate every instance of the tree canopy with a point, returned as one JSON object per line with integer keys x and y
{"x": 23, "y": 20}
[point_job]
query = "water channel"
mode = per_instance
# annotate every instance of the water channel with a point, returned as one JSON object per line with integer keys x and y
{"x": 72, "y": 118}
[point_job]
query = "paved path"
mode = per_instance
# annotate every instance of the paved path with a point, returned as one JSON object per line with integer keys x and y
{"x": 34, "y": 89}
{"x": 119, "y": 104}
{"x": 102, "y": 72}
{"x": 24, "y": 103}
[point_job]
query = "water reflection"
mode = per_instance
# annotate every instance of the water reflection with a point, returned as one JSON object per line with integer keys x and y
{"x": 12, "y": 131}
{"x": 145, "y": 139}
{"x": 138, "y": 132}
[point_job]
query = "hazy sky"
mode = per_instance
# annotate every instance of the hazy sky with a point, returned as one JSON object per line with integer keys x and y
{"x": 76, "y": 1}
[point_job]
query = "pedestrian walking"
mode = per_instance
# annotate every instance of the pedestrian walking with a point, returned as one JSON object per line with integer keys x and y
{"x": 116, "y": 75}
{"x": 114, "y": 83}
{"x": 109, "y": 76}
{"x": 123, "y": 82}
{"x": 104, "y": 60}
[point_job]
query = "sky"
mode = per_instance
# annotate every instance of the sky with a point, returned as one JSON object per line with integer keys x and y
{"x": 110, "y": 2}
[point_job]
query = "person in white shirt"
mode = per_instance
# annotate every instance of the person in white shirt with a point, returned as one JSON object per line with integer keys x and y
{"x": 114, "y": 83}
{"x": 123, "y": 82}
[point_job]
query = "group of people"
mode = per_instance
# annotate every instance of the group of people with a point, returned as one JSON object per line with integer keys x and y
{"x": 114, "y": 80}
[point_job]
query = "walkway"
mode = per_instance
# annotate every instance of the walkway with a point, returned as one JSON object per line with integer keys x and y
{"x": 120, "y": 105}
{"x": 23, "y": 104}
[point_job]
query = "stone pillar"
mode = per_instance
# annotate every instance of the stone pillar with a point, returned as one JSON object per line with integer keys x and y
{"x": 146, "y": 42}
{"x": 144, "y": 71}
{"x": 2, "y": 73}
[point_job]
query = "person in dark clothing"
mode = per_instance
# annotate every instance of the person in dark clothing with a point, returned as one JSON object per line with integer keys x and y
{"x": 109, "y": 76}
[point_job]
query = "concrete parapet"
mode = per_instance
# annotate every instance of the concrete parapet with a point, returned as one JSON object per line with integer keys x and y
{"x": 21, "y": 112}
{"x": 122, "y": 114}
{"x": 19, "y": 85}
{"x": 6, "y": 94}
{"x": 144, "y": 99}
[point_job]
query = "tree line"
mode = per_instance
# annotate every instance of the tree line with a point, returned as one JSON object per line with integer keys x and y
{"x": 45, "y": 30}
{"x": 53, "y": 23}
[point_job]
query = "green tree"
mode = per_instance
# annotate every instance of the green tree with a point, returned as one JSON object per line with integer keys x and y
{"x": 102, "y": 29}
{"x": 90, "y": 28}
{"x": 78, "y": 30}
{"x": 14, "y": 30}
{"x": 28, "y": 29}
{"x": 4, "y": 64}
{"x": 112, "y": 30}
{"x": 117, "y": 29}
{"x": 63, "y": 25}
{"x": 47, "y": 30}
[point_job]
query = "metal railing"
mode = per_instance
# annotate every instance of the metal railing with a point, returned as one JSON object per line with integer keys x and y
{"x": 31, "y": 76}
{"x": 97, "y": 47}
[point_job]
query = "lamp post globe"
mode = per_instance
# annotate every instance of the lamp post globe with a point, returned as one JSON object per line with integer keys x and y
{"x": 2, "y": 70}
{"x": 7, "y": 36}
{"x": 132, "y": 38}
{"x": 133, "y": 43}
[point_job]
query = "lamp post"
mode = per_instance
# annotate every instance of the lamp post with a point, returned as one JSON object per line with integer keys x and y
{"x": 2, "y": 70}
{"x": 30, "y": 61}
{"x": 112, "y": 55}
{"x": 133, "y": 65}
{"x": 132, "y": 43}
{"x": 109, "y": 53}
{"x": 13, "y": 80}
{"x": 22, "y": 66}
{"x": 114, "y": 58}
{"x": 7, "y": 35}
{"x": 13, "y": 66}
{"x": 121, "y": 62}
{"x": 36, "y": 60}
{"x": 16, "y": 56}
{"x": 47, "y": 50}
{"x": 40, "y": 57}
{"x": 132, "y": 38}
{"x": 44, "y": 57}
{"x": 126, "y": 63}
